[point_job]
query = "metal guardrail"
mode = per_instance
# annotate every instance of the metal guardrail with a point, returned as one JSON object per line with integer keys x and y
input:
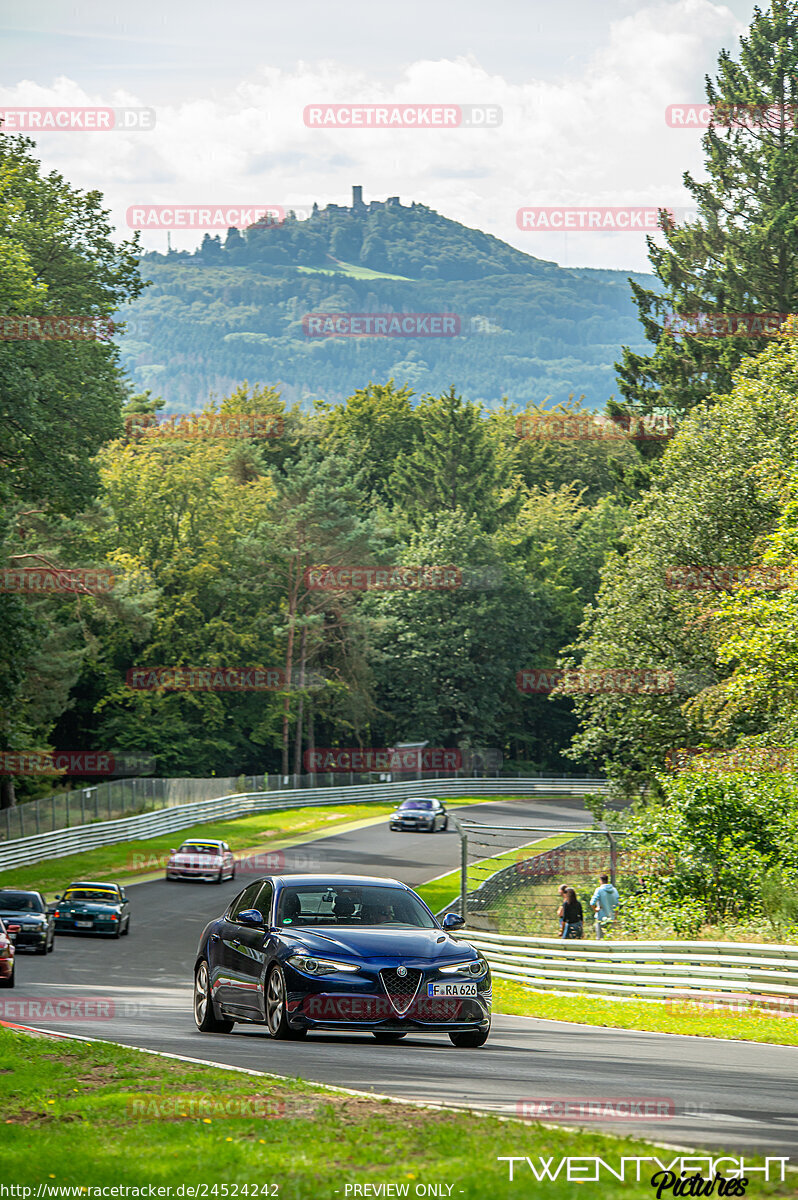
{"x": 62, "y": 842}
{"x": 647, "y": 969}
{"x": 128, "y": 797}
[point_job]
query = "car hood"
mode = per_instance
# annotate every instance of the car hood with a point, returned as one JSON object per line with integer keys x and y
{"x": 87, "y": 906}
{"x": 14, "y": 914}
{"x": 430, "y": 944}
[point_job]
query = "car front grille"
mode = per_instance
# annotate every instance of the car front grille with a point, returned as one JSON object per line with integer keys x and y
{"x": 401, "y": 989}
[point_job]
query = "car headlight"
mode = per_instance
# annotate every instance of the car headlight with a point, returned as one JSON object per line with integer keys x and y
{"x": 309, "y": 965}
{"x": 474, "y": 967}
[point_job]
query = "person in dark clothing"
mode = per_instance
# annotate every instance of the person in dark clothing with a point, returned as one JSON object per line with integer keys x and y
{"x": 571, "y": 916}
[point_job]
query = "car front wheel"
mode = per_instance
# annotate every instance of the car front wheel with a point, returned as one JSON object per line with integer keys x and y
{"x": 7, "y": 983}
{"x": 204, "y": 1016}
{"x": 276, "y": 1017}
{"x": 469, "y": 1039}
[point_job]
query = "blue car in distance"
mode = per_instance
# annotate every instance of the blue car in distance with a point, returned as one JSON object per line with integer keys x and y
{"x": 339, "y": 952}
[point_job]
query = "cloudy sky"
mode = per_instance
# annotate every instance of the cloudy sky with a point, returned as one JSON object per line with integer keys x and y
{"x": 583, "y": 86}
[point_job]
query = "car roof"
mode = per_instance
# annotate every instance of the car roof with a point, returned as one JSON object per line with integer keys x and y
{"x": 9, "y": 887}
{"x": 336, "y": 880}
{"x": 87, "y": 883}
{"x": 200, "y": 841}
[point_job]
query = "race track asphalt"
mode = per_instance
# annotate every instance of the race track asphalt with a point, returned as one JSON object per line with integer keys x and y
{"x": 721, "y": 1094}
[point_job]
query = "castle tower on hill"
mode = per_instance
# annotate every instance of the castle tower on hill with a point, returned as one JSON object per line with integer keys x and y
{"x": 357, "y": 196}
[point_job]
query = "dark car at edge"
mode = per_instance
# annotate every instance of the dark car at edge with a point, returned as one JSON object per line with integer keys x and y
{"x": 27, "y": 920}
{"x": 339, "y": 952}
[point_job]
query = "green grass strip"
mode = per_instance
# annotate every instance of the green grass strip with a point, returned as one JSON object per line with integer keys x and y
{"x": 655, "y": 1016}
{"x": 91, "y": 1115}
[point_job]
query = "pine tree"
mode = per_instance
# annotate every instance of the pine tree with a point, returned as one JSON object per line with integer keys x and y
{"x": 453, "y": 464}
{"x": 741, "y": 255}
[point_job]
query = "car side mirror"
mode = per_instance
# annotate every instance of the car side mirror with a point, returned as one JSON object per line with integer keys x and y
{"x": 58, "y": 895}
{"x": 251, "y": 916}
{"x": 173, "y": 851}
{"x": 453, "y": 921}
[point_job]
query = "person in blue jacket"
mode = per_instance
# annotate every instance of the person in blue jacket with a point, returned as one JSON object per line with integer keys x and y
{"x": 604, "y": 902}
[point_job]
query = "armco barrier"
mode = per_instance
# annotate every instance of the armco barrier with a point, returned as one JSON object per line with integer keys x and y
{"x": 148, "y": 825}
{"x": 647, "y": 969}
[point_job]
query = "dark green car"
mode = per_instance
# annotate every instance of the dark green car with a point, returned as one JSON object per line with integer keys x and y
{"x": 93, "y": 908}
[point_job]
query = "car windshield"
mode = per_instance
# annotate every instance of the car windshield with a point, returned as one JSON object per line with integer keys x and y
{"x": 352, "y": 905}
{"x": 97, "y": 895}
{"x": 426, "y": 804}
{"x": 198, "y": 848}
{"x": 20, "y": 902}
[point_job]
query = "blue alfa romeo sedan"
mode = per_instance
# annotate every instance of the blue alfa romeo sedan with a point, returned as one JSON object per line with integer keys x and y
{"x": 339, "y": 952}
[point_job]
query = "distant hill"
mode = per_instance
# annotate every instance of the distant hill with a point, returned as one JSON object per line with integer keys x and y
{"x": 234, "y": 310}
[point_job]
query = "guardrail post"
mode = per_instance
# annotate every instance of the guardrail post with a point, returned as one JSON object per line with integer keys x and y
{"x": 463, "y": 870}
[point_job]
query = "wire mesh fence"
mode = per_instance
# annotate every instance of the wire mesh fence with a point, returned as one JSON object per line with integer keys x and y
{"x": 510, "y": 875}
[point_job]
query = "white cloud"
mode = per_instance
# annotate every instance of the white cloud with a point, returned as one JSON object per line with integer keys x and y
{"x": 596, "y": 139}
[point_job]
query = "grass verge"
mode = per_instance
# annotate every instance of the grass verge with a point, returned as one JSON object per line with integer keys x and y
{"x": 89, "y": 1114}
{"x": 667, "y": 1016}
{"x": 440, "y": 892}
